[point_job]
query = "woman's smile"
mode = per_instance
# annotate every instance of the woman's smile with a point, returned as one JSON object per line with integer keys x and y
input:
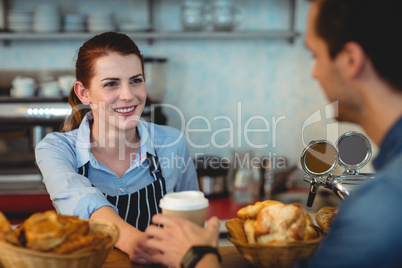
{"x": 125, "y": 111}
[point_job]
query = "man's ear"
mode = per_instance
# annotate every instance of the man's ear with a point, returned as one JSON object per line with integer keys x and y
{"x": 81, "y": 93}
{"x": 353, "y": 59}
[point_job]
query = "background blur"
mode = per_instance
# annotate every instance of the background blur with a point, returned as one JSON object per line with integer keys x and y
{"x": 240, "y": 78}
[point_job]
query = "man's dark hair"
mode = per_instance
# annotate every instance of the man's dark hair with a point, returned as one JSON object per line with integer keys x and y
{"x": 375, "y": 24}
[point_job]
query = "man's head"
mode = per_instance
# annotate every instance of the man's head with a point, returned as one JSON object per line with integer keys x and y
{"x": 355, "y": 45}
{"x": 373, "y": 24}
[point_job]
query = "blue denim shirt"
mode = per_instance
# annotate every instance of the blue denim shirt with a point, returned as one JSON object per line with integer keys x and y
{"x": 368, "y": 229}
{"x": 59, "y": 155}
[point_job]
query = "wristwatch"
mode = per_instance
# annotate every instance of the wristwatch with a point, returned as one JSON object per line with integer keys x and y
{"x": 194, "y": 255}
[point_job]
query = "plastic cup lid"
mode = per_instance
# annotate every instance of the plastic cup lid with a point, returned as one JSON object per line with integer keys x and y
{"x": 186, "y": 200}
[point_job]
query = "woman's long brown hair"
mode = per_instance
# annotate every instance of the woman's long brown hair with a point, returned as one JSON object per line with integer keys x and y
{"x": 96, "y": 47}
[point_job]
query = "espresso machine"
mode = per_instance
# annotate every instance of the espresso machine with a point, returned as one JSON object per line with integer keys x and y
{"x": 319, "y": 159}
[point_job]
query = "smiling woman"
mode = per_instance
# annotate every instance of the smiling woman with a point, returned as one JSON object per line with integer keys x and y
{"x": 104, "y": 163}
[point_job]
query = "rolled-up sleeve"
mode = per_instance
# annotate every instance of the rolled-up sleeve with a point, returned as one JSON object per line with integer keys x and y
{"x": 70, "y": 192}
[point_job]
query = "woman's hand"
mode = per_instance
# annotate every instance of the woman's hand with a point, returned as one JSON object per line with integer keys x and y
{"x": 172, "y": 241}
{"x": 139, "y": 252}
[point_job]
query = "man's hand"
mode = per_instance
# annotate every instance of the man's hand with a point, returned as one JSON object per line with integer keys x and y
{"x": 171, "y": 242}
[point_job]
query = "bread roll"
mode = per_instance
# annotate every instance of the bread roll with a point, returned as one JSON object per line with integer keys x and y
{"x": 281, "y": 222}
{"x": 325, "y": 216}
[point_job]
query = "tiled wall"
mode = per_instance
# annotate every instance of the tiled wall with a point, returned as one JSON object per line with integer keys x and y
{"x": 220, "y": 87}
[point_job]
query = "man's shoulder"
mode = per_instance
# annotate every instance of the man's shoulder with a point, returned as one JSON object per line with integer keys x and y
{"x": 386, "y": 181}
{"x": 392, "y": 171}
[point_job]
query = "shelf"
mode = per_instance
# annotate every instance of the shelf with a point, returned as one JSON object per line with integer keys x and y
{"x": 288, "y": 33}
{"x": 19, "y": 100}
{"x": 275, "y": 34}
{"x": 284, "y": 34}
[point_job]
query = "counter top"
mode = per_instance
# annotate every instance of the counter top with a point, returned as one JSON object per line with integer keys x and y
{"x": 231, "y": 258}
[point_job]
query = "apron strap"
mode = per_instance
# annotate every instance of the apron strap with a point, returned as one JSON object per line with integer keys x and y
{"x": 84, "y": 170}
{"x": 154, "y": 166}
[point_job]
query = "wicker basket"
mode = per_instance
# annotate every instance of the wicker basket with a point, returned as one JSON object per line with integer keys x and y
{"x": 277, "y": 255}
{"x": 16, "y": 257}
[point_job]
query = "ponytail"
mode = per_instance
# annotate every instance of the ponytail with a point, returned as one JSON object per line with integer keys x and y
{"x": 79, "y": 110}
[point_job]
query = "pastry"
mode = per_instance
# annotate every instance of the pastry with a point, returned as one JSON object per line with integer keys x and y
{"x": 272, "y": 222}
{"x": 249, "y": 229}
{"x": 310, "y": 232}
{"x": 51, "y": 232}
{"x": 6, "y": 232}
{"x": 82, "y": 243}
{"x": 251, "y": 211}
{"x": 4, "y": 224}
{"x": 325, "y": 216}
{"x": 235, "y": 229}
{"x": 43, "y": 231}
{"x": 281, "y": 222}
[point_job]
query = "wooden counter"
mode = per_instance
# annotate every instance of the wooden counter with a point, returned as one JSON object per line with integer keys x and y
{"x": 230, "y": 259}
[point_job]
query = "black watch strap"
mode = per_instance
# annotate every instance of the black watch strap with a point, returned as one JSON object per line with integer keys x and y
{"x": 194, "y": 255}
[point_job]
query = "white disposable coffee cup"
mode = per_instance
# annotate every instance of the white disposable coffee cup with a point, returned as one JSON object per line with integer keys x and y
{"x": 190, "y": 205}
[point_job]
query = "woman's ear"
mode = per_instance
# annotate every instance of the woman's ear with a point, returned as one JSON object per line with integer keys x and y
{"x": 81, "y": 93}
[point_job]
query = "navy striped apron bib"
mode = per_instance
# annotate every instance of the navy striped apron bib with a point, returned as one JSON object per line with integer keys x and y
{"x": 138, "y": 208}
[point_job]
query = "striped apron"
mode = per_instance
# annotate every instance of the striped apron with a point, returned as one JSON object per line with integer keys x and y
{"x": 138, "y": 208}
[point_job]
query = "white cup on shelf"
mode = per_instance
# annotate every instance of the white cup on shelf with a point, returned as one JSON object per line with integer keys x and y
{"x": 66, "y": 82}
{"x": 50, "y": 89}
{"x": 22, "y": 87}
